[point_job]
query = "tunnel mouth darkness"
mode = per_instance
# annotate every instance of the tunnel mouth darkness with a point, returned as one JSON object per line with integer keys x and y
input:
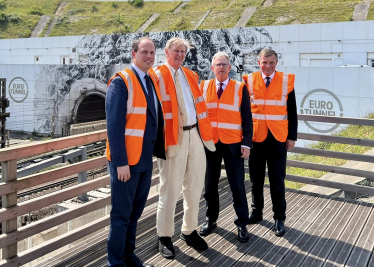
{"x": 92, "y": 108}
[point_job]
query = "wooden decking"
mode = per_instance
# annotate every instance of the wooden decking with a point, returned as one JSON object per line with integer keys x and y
{"x": 320, "y": 231}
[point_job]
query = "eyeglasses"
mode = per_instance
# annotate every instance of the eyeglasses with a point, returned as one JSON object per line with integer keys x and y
{"x": 223, "y": 65}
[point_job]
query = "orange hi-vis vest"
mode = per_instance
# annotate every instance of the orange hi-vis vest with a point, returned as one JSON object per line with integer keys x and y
{"x": 136, "y": 116}
{"x": 269, "y": 105}
{"x": 224, "y": 113}
{"x": 170, "y": 104}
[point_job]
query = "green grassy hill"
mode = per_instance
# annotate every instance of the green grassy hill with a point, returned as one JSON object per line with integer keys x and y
{"x": 80, "y": 17}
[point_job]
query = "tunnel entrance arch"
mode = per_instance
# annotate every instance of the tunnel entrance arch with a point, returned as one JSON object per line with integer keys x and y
{"x": 89, "y": 107}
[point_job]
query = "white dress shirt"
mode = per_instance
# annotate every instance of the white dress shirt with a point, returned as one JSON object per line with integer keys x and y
{"x": 142, "y": 78}
{"x": 187, "y": 94}
{"x": 264, "y": 76}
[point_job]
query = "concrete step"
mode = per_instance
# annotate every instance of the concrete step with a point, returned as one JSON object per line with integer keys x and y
{"x": 39, "y": 28}
{"x": 202, "y": 19}
{"x": 361, "y": 11}
{"x": 247, "y": 14}
{"x": 148, "y": 22}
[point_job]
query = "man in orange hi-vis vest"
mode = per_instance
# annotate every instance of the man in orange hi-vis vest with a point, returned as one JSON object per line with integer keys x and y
{"x": 274, "y": 114}
{"x": 135, "y": 132}
{"x": 230, "y": 116}
{"x": 188, "y": 130}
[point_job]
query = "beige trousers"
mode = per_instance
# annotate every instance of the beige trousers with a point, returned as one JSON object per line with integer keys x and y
{"x": 186, "y": 171}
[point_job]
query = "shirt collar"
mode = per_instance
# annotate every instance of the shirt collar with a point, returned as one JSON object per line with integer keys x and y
{"x": 139, "y": 71}
{"x": 225, "y": 82}
{"x": 171, "y": 68}
{"x": 264, "y": 76}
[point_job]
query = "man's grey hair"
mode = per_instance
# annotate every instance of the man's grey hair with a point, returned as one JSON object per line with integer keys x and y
{"x": 267, "y": 53}
{"x": 220, "y": 54}
{"x": 178, "y": 41}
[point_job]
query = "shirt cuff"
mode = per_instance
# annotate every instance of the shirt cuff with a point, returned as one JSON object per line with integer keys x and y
{"x": 247, "y": 147}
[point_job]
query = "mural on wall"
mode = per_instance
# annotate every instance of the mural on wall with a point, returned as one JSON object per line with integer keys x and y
{"x": 98, "y": 54}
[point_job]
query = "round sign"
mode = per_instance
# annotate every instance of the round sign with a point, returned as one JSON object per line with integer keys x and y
{"x": 18, "y": 89}
{"x": 324, "y": 103}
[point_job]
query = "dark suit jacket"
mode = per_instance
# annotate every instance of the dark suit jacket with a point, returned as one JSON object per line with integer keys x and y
{"x": 247, "y": 125}
{"x": 116, "y": 110}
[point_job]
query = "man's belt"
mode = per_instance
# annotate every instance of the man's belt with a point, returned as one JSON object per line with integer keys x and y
{"x": 189, "y": 127}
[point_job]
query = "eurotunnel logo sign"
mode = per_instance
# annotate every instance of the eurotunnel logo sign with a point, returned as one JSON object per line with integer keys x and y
{"x": 18, "y": 89}
{"x": 324, "y": 103}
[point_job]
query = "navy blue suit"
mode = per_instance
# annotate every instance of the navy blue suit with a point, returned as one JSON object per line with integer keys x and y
{"x": 129, "y": 198}
{"x": 234, "y": 165}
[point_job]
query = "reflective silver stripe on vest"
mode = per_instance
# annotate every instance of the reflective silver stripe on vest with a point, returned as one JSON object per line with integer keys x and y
{"x": 211, "y": 105}
{"x": 134, "y": 132}
{"x": 205, "y": 89}
{"x": 269, "y": 117}
{"x": 229, "y": 126}
{"x": 202, "y": 115}
{"x": 199, "y": 99}
{"x": 213, "y": 123}
{"x": 168, "y": 116}
{"x": 138, "y": 110}
{"x": 129, "y": 90}
{"x": 164, "y": 96}
{"x": 282, "y": 102}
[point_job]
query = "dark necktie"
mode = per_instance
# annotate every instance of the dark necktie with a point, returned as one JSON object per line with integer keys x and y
{"x": 267, "y": 81}
{"x": 151, "y": 99}
{"x": 220, "y": 90}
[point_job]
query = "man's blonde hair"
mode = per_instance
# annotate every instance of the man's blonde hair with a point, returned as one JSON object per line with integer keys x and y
{"x": 178, "y": 41}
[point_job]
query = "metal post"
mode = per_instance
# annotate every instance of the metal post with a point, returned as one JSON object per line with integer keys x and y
{"x": 82, "y": 176}
{"x": 4, "y": 103}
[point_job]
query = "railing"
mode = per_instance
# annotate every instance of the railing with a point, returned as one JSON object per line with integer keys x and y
{"x": 11, "y": 185}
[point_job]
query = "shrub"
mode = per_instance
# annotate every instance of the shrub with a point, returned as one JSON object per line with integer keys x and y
{"x": 2, "y": 3}
{"x": 94, "y": 9}
{"x": 36, "y": 10}
{"x": 137, "y": 3}
{"x": 114, "y": 5}
{"x": 3, "y": 17}
{"x": 14, "y": 18}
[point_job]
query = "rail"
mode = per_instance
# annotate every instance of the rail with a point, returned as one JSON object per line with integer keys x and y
{"x": 11, "y": 186}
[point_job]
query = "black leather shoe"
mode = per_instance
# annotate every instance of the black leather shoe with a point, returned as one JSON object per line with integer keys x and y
{"x": 253, "y": 219}
{"x": 136, "y": 262}
{"x": 207, "y": 228}
{"x": 278, "y": 228}
{"x": 243, "y": 235}
{"x": 195, "y": 241}
{"x": 165, "y": 247}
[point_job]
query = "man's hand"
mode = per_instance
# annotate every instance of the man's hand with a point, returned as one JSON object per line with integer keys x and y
{"x": 245, "y": 152}
{"x": 290, "y": 144}
{"x": 123, "y": 173}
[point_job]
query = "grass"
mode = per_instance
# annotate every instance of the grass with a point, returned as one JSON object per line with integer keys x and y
{"x": 354, "y": 131}
{"x": 176, "y": 21}
{"x": 204, "y": 5}
{"x": 245, "y": 3}
{"x": 86, "y": 17}
{"x": 371, "y": 12}
{"x": 219, "y": 19}
{"x": 285, "y": 12}
{"x": 23, "y": 6}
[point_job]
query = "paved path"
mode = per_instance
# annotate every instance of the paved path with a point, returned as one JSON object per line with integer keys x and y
{"x": 247, "y": 14}
{"x": 148, "y": 22}
{"x": 361, "y": 11}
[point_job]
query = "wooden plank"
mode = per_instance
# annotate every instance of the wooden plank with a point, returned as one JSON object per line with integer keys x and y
{"x": 331, "y": 184}
{"x": 48, "y": 176}
{"x": 326, "y": 242}
{"x": 52, "y": 198}
{"x": 336, "y": 139}
{"x": 333, "y": 119}
{"x": 49, "y": 222}
{"x": 333, "y": 169}
{"x": 300, "y": 249}
{"x": 55, "y": 243}
{"x": 295, "y": 233}
{"x": 333, "y": 154}
{"x": 50, "y": 145}
{"x": 347, "y": 240}
{"x": 229, "y": 245}
{"x": 364, "y": 247}
{"x": 9, "y": 173}
{"x": 268, "y": 241}
{"x": 218, "y": 240}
